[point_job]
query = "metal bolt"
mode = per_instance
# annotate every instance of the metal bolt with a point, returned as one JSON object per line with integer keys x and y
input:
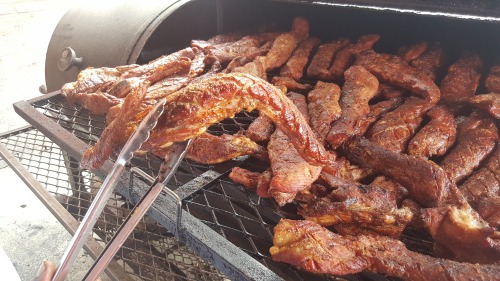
{"x": 68, "y": 59}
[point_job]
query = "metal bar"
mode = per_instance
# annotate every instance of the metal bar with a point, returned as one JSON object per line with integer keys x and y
{"x": 114, "y": 270}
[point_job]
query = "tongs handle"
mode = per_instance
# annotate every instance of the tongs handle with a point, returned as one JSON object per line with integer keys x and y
{"x": 82, "y": 233}
{"x": 172, "y": 161}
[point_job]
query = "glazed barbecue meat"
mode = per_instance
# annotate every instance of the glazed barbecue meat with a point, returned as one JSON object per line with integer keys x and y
{"x": 309, "y": 246}
{"x": 210, "y": 149}
{"x": 260, "y": 129}
{"x": 436, "y": 137}
{"x": 98, "y": 103}
{"x": 476, "y": 140}
{"x": 191, "y": 110}
{"x": 489, "y": 210}
{"x": 462, "y": 79}
{"x": 256, "y": 68}
{"x": 320, "y": 63}
{"x": 291, "y": 173}
{"x": 492, "y": 82}
{"x": 345, "y": 57}
{"x": 286, "y": 84}
{"x": 394, "y": 130}
{"x": 359, "y": 87}
{"x": 487, "y": 102}
{"x": 294, "y": 67}
{"x": 245, "y": 177}
{"x": 394, "y": 70}
{"x": 323, "y": 107}
{"x": 412, "y": 52}
{"x": 485, "y": 183}
{"x": 430, "y": 62}
{"x": 368, "y": 207}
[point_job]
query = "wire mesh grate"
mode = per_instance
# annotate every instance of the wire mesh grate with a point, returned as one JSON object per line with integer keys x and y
{"x": 150, "y": 253}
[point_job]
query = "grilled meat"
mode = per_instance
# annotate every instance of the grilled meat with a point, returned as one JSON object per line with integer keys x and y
{"x": 210, "y": 149}
{"x": 436, "y": 137}
{"x": 359, "y": 87}
{"x": 489, "y": 210}
{"x": 462, "y": 79}
{"x": 294, "y": 67}
{"x": 98, "y": 103}
{"x": 309, "y": 246}
{"x": 264, "y": 183}
{"x": 394, "y": 70}
{"x": 487, "y": 102}
{"x": 320, "y": 63}
{"x": 260, "y": 129}
{"x": 430, "y": 62}
{"x": 286, "y": 84}
{"x": 323, "y": 107}
{"x": 412, "y": 52}
{"x": 476, "y": 140}
{"x": 492, "y": 82}
{"x": 245, "y": 177}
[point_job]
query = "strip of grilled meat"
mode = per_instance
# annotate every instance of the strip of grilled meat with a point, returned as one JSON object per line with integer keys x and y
{"x": 489, "y": 210}
{"x": 412, "y": 52}
{"x": 492, "y": 82}
{"x": 245, "y": 177}
{"x": 287, "y": 84}
{"x": 320, "y": 63}
{"x": 323, "y": 107}
{"x": 394, "y": 70}
{"x": 437, "y": 136}
{"x": 359, "y": 87}
{"x": 309, "y": 246}
{"x": 476, "y": 140}
{"x": 430, "y": 62}
{"x": 210, "y": 149}
{"x": 294, "y": 67}
{"x": 260, "y": 129}
{"x": 487, "y": 102}
{"x": 291, "y": 173}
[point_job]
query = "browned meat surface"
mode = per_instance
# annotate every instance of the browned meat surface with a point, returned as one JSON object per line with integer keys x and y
{"x": 291, "y": 173}
{"x": 430, "y": 62}
{"x": 489, "y": 210}
{"x": 359, "y": 87}
{"x": 463, "y": 232}
{"x": 426, "y": 182}
{"x": 260, "y": 129}
{"x": 323, "y": 107}
{"x": 210, "y": 149}
{"x": 394, "y": 130}
{"x": 492, "y": 81}
{"x": 311, "y": 247}
{"x": 294, "y": 67}
{"x": 412, "y": 52}
{"x": 462, "y": 79}
{"x": 397, "y": 191}
{"x": 287, "y": 84}
{"x": 345, "y": 57}
{"x": 98, "y": 103}
{"x": 394, "y": 70}
{"x": 475, "y": 141}
{"x": 119, "y": 130}
{"x": 256, "y": 68}
{"x": 416, "y": 210}
{"x": 320, "y": 63}
{"x": 369, "y": 207}
{"x": 487, "y": 102}
{"x": 245, "y": 177}
{"x": 485, "y": 183}
{"x": 389, "y": 91}
{"x": 437, "y": 136}
{"x": 264, "y": 183}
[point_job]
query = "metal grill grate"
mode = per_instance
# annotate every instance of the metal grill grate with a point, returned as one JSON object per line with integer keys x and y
{"x": 150, "y": 253}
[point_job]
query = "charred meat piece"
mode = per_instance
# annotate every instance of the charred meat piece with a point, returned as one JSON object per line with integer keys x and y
{"x": 412, "y": 52}
{"x": 487, "y": 102}
{"x": 426, "y": 182}
{"x": 430, "y": 62}
{"x": 260, "y": 129}
{"x": 369, "y": 207}
{"x": 286, "y": 84}
{"x": 394, "y": 130}
{"x": 311, "y": 247}
{"x": 492, "y": 81}
{"x": 245, "y": 177}
{"x": 345, "y": 57}
{"x": 475, "y": 141}
{"x": 320, "y": 63}
{"x": 210, "y": 149}
{"x": 489, "y": 210}
{"x": 463, "y": 232}
{"x": 360, "y": 86}
{"x": 436, "y": 137}
{"x": 462, "y": 79}
{"x": 294, "y": 67}
{"x": 323, "y": 107}
{"x": 485, "y": 183}
{"x": 291, "y": 173}
{"x": 394, "y": 70}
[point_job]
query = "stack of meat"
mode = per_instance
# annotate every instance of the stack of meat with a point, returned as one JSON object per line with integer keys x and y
{"x": 366, "y": 143}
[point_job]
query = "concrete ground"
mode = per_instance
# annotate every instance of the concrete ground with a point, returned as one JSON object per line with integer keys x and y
{"x": 29, "y": 233}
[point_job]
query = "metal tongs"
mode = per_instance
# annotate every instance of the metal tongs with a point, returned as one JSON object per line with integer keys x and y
{"x": 172, "y": 160}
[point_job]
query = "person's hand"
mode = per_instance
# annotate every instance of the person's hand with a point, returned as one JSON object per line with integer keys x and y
{"x": 45, "y": 272}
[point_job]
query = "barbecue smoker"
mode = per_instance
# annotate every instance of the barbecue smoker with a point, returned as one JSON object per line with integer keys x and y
{"x": 220, "y": 221}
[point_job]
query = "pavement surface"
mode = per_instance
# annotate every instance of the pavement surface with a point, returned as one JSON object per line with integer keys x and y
{"x": 29, "y": 233}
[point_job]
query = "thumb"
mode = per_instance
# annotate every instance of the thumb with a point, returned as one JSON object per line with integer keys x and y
{"x": 45, "y": 272}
